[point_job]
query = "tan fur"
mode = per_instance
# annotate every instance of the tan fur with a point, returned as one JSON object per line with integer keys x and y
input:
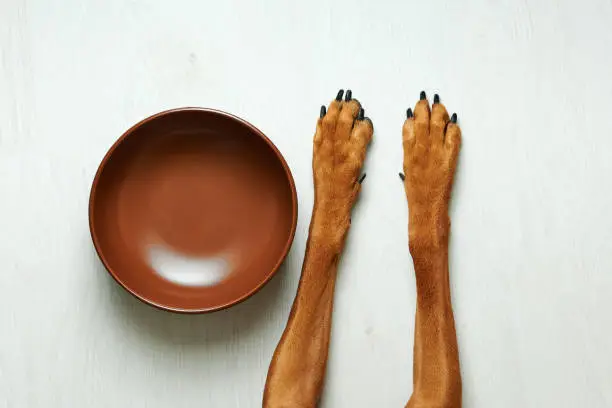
{"x": 431, "y": 146}
{"x": 296, "y": 374}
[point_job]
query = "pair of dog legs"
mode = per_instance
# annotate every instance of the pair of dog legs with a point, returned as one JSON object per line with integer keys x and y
{"x": 431, "y": 142}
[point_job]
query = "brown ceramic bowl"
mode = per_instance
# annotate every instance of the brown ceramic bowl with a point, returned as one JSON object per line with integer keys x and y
{"x": 193, "y": 210}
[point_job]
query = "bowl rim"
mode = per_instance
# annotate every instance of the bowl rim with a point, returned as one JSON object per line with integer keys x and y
{"x": 106, "y": 159}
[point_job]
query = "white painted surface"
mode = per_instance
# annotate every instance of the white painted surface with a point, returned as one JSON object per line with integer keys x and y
{"x": 532, "y": 223}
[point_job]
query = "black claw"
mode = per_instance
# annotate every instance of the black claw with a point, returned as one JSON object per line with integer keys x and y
{"x": 362, "y": 178}
{"x": 361, "y": 114}
{"x": 423, "y": 95}
{"x": 402, "y": 176}
{"x": 454, "y": 118}
{"x": 409, "y": 113}
{"x": 436, "y": 98}
{"x": 323, "y": 111}
{"x": 349, "y": 95}
{"x": 339, "y": 96}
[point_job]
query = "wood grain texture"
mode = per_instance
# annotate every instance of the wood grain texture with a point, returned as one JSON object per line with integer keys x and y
{"x": 531, "y": 250}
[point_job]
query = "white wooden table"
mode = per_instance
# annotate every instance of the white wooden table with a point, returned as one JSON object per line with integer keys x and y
{"x": 532, "y": 213}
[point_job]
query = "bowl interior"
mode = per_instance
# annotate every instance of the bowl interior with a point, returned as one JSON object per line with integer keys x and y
{"x": 193, "y": 210}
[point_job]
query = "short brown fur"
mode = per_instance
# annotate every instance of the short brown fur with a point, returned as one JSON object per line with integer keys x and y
{"x": 431, "y": 146}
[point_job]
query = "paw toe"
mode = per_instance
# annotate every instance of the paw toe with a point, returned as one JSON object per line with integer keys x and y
{"x": 422, "y": 115}
{"x": 362, "y": 132}
{"x": 348, "y": 114}
{"x": 439, "y": 119}
{"x": 453, "y": 137}
{"x": 350, "y": 109}
{"x": 422, "y": 111}
{"x": 408, "y": 134}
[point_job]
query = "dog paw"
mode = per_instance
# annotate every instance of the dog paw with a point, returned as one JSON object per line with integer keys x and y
{"x": 340, "y": 142}
{"x": 431, "y": 141}
{"x": 339, "y": 150}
